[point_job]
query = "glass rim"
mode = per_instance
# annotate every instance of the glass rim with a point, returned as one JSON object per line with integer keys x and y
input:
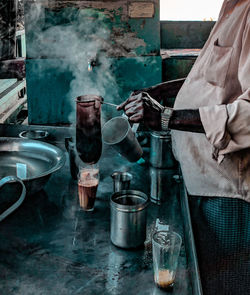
{"x": 88, "y": 165}
{"x": 173, "y": 233}
{"x": 96, "y": 174}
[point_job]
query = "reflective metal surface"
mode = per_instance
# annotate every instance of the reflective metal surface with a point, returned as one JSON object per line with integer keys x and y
{"x": 72, "y": 248}
{"x": 128, "y": 218}
{"x": 161, "y": 184}
{"x": 34, "y": 134}
{"x": 39, "y": 160}
{"x": 160, "y": 150}
{"x": 121, "y": 180}
{"x": 118, "y": 134}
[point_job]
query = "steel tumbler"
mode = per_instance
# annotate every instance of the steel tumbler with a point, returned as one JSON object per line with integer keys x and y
{"x": 121, "y": 180}
{"x": 161, "y": 155}
{"x": 128, "y": 218}
{"x": 118, "y": 134}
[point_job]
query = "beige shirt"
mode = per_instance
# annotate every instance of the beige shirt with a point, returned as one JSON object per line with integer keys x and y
{"x": 218, "y": 163}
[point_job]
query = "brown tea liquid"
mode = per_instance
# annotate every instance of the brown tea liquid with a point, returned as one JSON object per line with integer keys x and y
{"x": 89, "y": 144}
{"x": 88, "y": 128}
{"x": 87, "y": 188}
{"x": 165, "y": 279}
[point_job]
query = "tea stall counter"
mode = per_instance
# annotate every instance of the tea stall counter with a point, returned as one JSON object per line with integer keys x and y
{"x": 50, "y": 246}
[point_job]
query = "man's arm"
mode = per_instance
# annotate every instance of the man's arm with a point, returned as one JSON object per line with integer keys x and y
{"x": 137, "y": 110}
{"x": 186, "y": 120}
{"x": 163, "y": 91}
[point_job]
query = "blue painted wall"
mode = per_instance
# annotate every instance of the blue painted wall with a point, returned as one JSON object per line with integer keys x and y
{"x": 61, "y": 38}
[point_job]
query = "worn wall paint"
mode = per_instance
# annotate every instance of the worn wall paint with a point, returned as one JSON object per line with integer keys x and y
{"x": 128, "y": 55}
{"x": 125, "y": 38}
{"x": 141, "y": 10}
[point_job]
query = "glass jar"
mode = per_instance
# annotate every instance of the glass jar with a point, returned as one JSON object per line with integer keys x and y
{"x": 88, "y": 128}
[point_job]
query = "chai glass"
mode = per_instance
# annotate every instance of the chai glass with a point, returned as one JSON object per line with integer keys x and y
{"x": 88, "y": 180}
{"x": 166, "y": 250}
{"x": 88, "y": 128}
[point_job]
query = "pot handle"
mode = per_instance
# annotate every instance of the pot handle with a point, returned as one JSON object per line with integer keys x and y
{"x": 134, "y": 126}
{"x": 9, "y": 179}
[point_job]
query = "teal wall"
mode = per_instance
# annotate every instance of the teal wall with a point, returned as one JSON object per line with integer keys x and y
{"x": 182, "y": 35}
{"x": 128, "y": 56}
{"x": 185, "y": 34}
{"x": 176, "y": 68}
{"x": 51, "y": 101}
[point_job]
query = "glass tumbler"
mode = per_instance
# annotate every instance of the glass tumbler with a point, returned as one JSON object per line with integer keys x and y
{"x": 88, "y": 180}
{"x": 88, "y": 128}
{"x": 166, "y": 250}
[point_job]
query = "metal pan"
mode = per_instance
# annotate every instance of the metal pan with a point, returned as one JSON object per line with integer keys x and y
{"x": 38, "y": 160}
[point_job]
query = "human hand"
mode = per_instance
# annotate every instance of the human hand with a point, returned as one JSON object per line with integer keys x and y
{"x": 137, "y": 111}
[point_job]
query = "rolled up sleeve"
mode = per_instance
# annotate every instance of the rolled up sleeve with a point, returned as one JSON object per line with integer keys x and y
{"x": 227, "y": 126}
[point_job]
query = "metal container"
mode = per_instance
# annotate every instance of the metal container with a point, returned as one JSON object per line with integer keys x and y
{"x": 118, "y": 134}
{"x": 121, "y": 180}
{"x": 128, "y": 218}
{"x": 74, "y": 161}
{"x": 38, "y": 158}
{"x": 34, "y": 134}
{"x": 161, "y": 184}
{"x": 161, "y": 155}
{"x": 88, "y": 128}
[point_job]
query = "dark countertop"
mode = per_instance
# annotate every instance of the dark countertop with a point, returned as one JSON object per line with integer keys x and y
{"x": 50, "y": 246}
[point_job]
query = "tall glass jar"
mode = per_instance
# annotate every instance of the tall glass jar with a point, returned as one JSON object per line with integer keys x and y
{"x": 88, "y": 128}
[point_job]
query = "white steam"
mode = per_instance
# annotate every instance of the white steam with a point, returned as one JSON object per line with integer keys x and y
{"x": 74, "y": 44}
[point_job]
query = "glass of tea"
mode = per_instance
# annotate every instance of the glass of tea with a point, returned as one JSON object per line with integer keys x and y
{"x": 88, "y": 180}
{"x": 88, "y": 128}
{"x": 166, "y": 250}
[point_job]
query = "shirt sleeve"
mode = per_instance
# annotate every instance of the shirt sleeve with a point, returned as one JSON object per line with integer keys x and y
{"x": 227, "y": 127}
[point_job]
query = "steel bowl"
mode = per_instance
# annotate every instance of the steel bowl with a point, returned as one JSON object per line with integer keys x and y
{"x": 39, "y": 160}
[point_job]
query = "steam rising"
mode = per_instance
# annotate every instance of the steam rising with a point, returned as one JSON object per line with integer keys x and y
{"x": 74, "y": 44}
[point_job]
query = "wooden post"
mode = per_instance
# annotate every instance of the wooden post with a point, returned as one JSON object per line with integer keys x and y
{"x": 8, "y": 16}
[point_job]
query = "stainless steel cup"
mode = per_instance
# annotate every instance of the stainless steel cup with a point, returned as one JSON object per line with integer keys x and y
{"x": 128, "y": 218}
{"x": 161, "y": 184}
{"x": 121, "y": 180}
{"x": 118, "y": 134}
{"x": 161, "y": 155}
